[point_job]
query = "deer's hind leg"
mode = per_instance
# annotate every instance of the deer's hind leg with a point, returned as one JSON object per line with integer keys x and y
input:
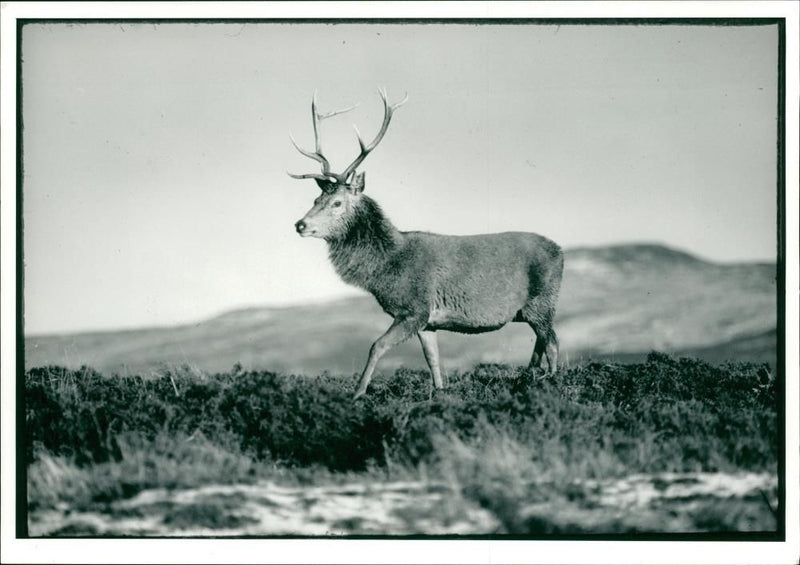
{"x": 538, "y": 313}
{"x": 545, "y": 351}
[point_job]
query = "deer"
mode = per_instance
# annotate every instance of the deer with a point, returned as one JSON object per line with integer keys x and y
{"x": 426, "y": 281}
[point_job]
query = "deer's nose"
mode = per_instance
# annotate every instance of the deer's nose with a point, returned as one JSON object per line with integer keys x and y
{"x": 300, "y": 226}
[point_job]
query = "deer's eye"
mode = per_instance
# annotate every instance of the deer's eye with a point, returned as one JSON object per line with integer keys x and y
{"x": 337, "y": 203}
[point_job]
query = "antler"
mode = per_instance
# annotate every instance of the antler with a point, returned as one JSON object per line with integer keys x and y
{"x": 388, "y": 110}
{"x": 317, "y": 155}
{"x": 317, "y": 117}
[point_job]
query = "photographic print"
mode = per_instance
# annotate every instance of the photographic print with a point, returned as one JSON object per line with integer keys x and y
{"x": 554, "y": 308}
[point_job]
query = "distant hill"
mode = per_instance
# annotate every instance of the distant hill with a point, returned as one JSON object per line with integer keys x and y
{"x": 617, "y": 302}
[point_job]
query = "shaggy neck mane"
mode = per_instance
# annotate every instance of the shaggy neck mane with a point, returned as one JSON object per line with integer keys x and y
{"x": 365, "y": 245}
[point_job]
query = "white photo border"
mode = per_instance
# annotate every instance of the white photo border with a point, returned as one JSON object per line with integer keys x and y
{"x": 16, "y": 550}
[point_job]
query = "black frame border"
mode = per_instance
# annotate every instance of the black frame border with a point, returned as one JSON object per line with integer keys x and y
{"x": 778, "y": 535}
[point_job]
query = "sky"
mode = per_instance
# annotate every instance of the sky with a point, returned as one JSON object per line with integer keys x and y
{"x": 155, "y": 155}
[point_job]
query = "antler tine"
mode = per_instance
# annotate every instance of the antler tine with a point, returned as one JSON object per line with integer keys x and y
{"x": 326, "y": 173}
{"x": 317, "y": 156}
{"x": 337, "y": 112}
{"x": 385, "y": 96}
{"x": 388, "y": 110}
{"x": 319, "y": 116}
{"x": 311, "y": 176}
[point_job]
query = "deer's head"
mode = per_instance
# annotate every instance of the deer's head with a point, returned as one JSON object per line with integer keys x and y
{"x": 329, "y": 215}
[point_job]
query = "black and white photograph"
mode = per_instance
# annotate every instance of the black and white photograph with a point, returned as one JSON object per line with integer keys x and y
{"x": 504, "y": 275}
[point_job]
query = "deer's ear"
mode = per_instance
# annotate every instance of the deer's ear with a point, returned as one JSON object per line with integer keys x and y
{"x": 324, "y": 185}
{"x": 358, "y": 183}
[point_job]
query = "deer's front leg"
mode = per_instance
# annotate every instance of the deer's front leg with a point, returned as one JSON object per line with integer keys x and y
{"x": 400, "y": 330}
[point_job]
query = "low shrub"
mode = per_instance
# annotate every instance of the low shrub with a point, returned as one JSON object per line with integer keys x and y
{"x": 665, "y": 414}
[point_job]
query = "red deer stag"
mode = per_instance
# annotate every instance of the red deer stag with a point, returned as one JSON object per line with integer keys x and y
{"x": 425, "y": 281}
